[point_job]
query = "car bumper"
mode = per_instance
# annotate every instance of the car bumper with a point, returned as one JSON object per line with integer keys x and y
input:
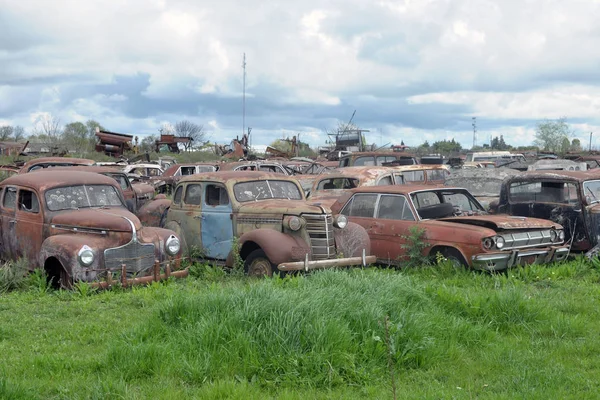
{"x": 307, "y": 265}
{"x": 510, "y": 258}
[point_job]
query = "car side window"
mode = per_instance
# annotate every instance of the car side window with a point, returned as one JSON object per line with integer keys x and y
{"x": 178, "y": 194}
{"x": 386, "y": 180}
{"x": 216, "y": 195}
{"x": 361, "y": 205}
{"x": 193, "y": 194}
{"x": 394, "y": 207}
{"x": 10, "y": 198}
{"x": 188, "y": 170}
{"x": 28, "y": 201}
{"x": 399, "y": 179}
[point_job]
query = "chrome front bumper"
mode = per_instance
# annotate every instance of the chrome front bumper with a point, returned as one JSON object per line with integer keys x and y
{"x": 307, "y": 265}
{"x": 507, "y": 259}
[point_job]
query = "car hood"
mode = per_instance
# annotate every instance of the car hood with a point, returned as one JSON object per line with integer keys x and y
{"x": 280, "y": 206}
{"x": 142, "y": 189}
{"x": 109, "y": 219}
{"x": 504, "y": 222}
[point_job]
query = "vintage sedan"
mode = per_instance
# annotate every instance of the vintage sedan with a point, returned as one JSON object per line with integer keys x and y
{"x": 48, "y": 162}
{"x": 168, "y": 180}
{"x": 570, "y": 198}
{"x": 266, "y": 214}
{"x": 329, "y": 186}
{"x": 74, "y": 225}
{"x": 136, "y": 195}
{"x": 454, "y": 224}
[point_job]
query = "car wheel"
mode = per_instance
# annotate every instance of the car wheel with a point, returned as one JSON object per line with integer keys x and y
{"x": 454, "y": 257}
{"x": 258, "y": 264}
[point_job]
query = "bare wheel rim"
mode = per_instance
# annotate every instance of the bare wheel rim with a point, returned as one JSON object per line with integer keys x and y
{"x": 260, "y": 267}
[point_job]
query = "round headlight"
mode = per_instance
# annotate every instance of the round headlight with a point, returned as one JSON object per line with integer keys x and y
{"x": 561, "y": 235}
{"x": 488, "y": 243}
{"x": 294, "y": 223}
{"x": 85, "y": 256}
{"x": 499, "y": 242}
{"x": 553, "y": 235}
{"x": 340, "y": 221}
{"x": 172, "y": 245}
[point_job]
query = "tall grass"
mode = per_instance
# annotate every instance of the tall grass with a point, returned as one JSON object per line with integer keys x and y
{"x": 321, "y": 331}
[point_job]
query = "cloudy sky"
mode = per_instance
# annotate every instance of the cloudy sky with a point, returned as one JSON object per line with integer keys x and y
{"x": 412, "y": 69}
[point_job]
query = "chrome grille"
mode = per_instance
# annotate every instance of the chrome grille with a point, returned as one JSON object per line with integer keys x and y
{"x": 516, "y": 240}
{"x": 137, "y": 257}
{"x": 320, "y": 230}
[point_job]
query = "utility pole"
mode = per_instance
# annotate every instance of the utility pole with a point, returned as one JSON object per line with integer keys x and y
{"x": 474, "y": 131}
{"x": 591, "y": 140}
{"x": 244, "y": 98}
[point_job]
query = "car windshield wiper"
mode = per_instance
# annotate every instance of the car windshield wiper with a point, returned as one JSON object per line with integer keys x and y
{"x": 593, "y": 195}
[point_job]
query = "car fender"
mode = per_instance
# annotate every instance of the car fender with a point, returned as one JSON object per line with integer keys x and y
{"x": 65, "y": 248}
{"x": 351, "y": 240}
{"x": 278, "y": 246}
{"x": 150, "y": 214}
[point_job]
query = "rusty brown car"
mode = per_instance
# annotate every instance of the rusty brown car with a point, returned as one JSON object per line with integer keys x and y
{"x": 168, "y": 180}
{"x": 47, "y": 162}
{"x": 268, "y": 217}
{"x": 571, "y": 198}
{"x": 136, "y": 195}
{"x": 329, "y": 186}
{"x": 454, "y": 225}
{"x": 74, "y": 225}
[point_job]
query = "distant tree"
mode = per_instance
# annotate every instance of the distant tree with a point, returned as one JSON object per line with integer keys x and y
{"x": 576, "y": 145}
{"x": 446, "y": 147}
{"x": 500, "y": 144}
{"x": 565, "y": 146}
{"x": 18, "y": 133}
{"x": 47, "y": 129}
{"x": 550, "y": 135}
{"x": 148, "y": 144}
{"x": 190, "y": 130}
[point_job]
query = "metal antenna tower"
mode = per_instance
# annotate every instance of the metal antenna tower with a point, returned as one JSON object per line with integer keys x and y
{"x": 474, "y": 131}
{"x": 244, "y": 98}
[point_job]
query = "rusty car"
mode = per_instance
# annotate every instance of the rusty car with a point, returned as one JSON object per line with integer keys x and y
{"x": 266, "y": 216}
{"x": 74, "y": 225}
{"x": 136, "y": 194}
{"x": 48, "y": 162}
{"x": 418, "y": 174}
{"x": 168, "y": 180}
{"x": 570, "y": 198}
{"x": 329, "y": 186}
{"x": 374, "y": 158}
{"x": 454, "y": 225}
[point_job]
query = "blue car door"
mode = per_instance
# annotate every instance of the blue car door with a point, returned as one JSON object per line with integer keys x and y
{"x": 217, "y": 224}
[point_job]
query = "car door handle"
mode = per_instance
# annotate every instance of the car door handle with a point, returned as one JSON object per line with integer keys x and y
{"x": 12, "y": 221}
{"x": 198, "y": 216}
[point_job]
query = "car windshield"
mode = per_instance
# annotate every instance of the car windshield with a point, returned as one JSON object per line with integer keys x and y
{"x": 591, "y": 190}
{"x": 337, "y": 183}
{"x": 82, "y": 196}
{"x": 267, "y": 189}
{"x": 430, "y": 204}
{"x": 436, "y": 174}
{"x": 544, "y": 192}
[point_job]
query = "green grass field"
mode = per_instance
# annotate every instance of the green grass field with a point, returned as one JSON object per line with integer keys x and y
{"x": 439, "y": 332}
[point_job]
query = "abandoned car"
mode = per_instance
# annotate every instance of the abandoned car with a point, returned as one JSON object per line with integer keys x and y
{"x": 136, "y": 195}
{"x": 75, "y": 226}
{"x": 267, "y": 218}
{"x": 373, "y": 158}
{"x": 569, "y": 198}
{"x": 329, "y": 186}
{"x": 47, "y": 162}
{"x": 168, "y": 180}
{"x": 454, "y": 224}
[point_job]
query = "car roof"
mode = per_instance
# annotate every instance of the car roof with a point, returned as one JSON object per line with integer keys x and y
{"x": 558, "y": 175}
{"x": 49, "y": 178}
{"x": 99, "y": 169}
{"x": 401, "y": 189}
{"x": 223, "y": 176}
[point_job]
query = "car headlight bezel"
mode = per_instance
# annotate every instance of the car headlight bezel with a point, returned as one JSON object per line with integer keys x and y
{"x": 340, "y": 221}
{"x": 500, "y": 242}
{"x": 86, "y": 256}
{"x": 172, "y": 245}
{"x": 295, "y": 223}
{"x": 553, "y": 235}
{"x": 487, "y": 243}
{"x": 561, "y": 235}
